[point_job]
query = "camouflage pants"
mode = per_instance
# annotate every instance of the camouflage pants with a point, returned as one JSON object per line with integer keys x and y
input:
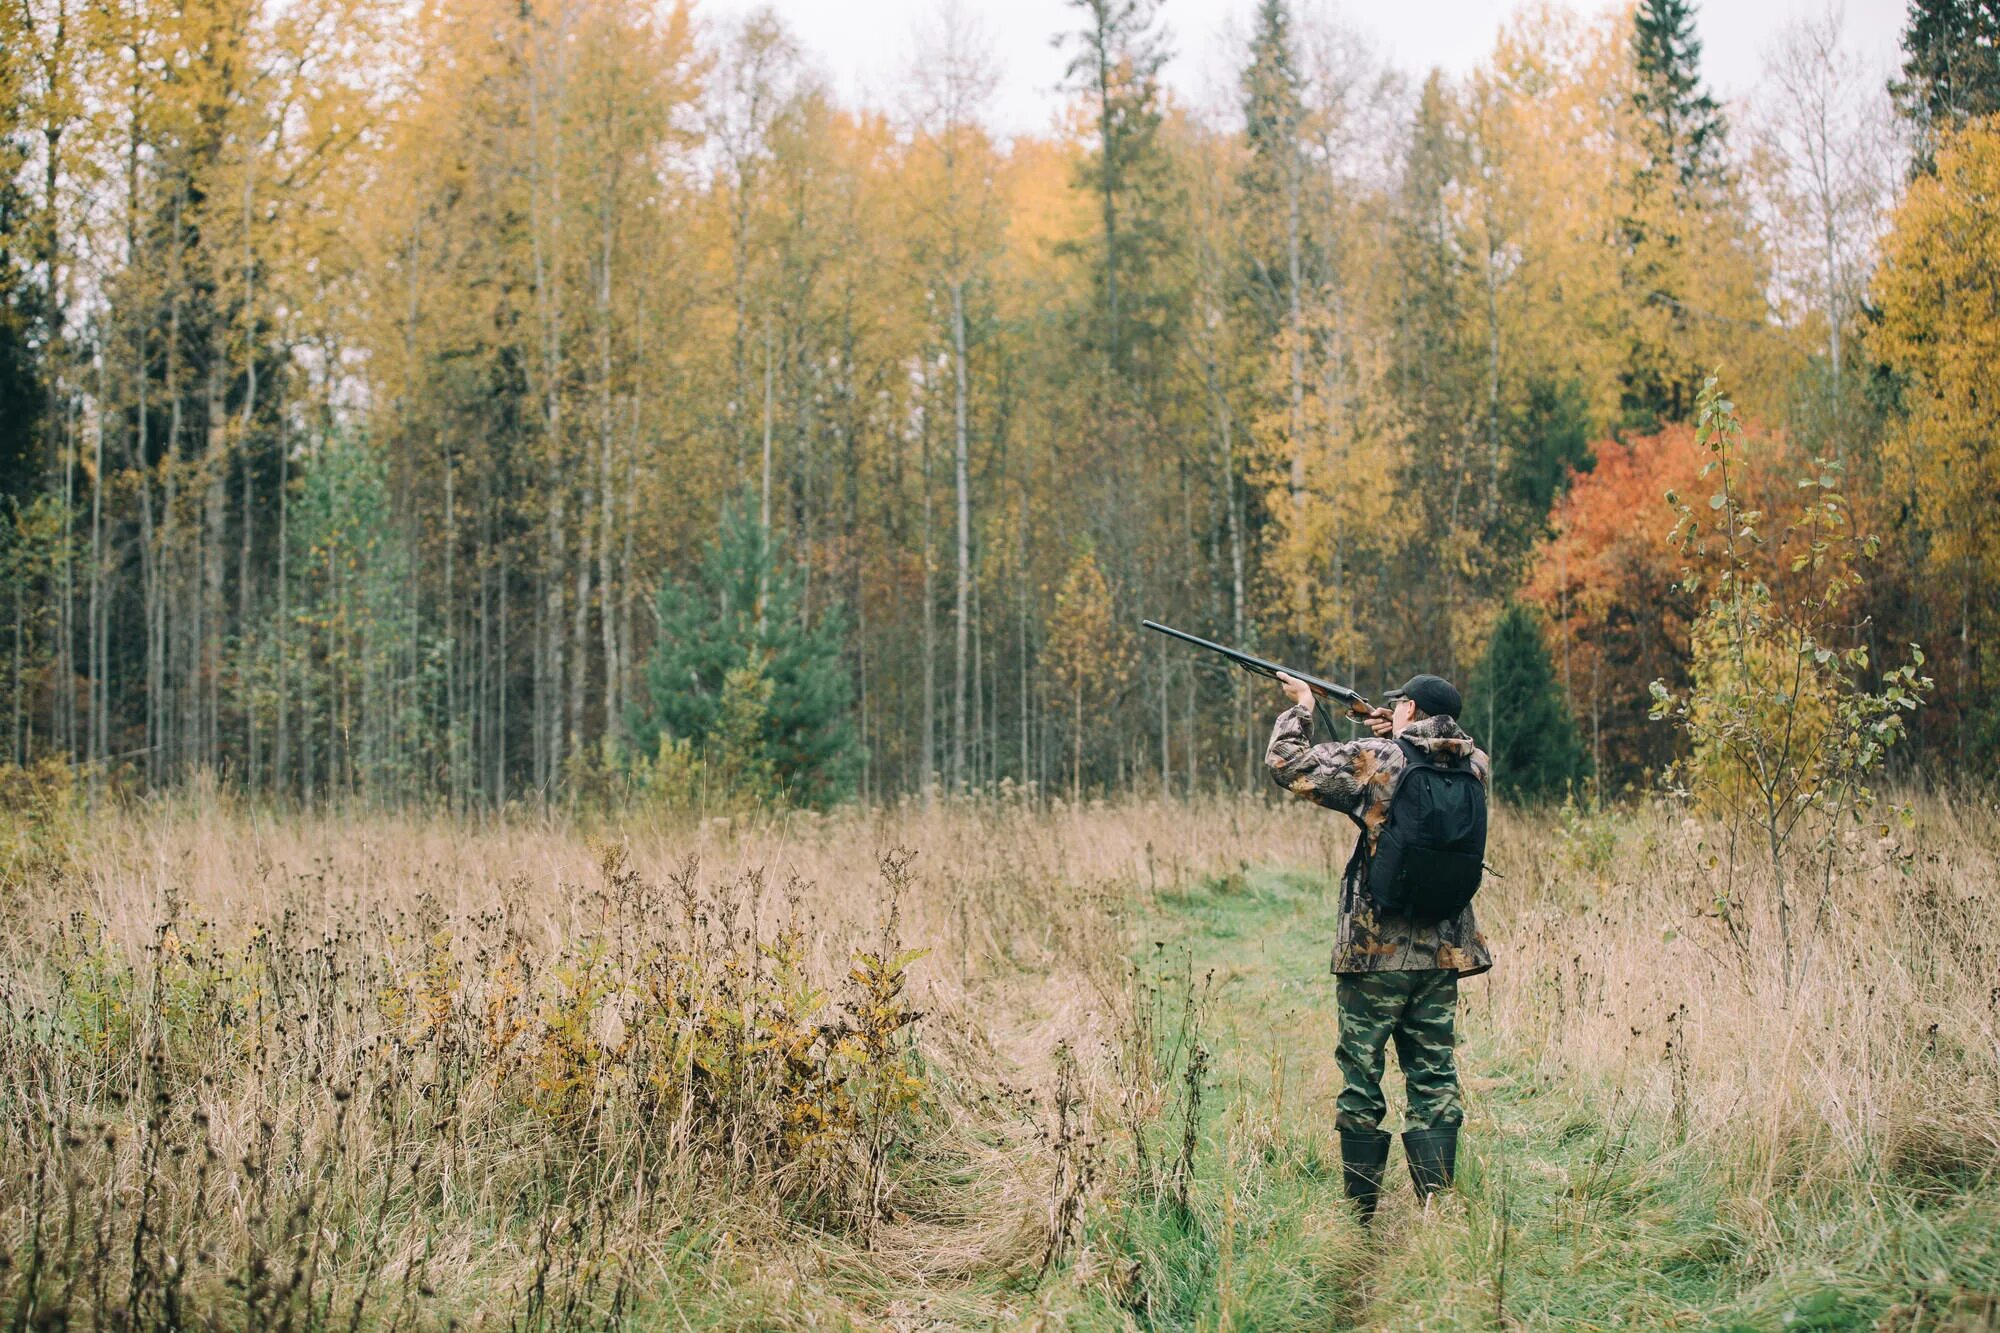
{"x": 1416, "y": 1009}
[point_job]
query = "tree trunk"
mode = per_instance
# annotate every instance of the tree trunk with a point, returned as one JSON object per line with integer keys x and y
{"x": 580, "y": 640}
{"x": 1021, "y": 607}
{"x": 454, "y": 733}
{"x": 1076, "y": 750}
{"x": 281, "y": 761}
{"x": 246, "y": 677}
{"x": 962, "y": 488}
{"x": 1233, "y": 519}
{"x": 1295, "y": 329}
{"x": 979, "y": 748}
{"x": 1492, "y": 380}
{"x": 100, "y": 688}
{"x": 1109, "y": 149}
{"x": 764, "y": 502}
{"x": 502, "y": 674}
{"x": 930, "y": 613}
{"x": 606, "y": 517}
{"x": 20, "y": 581}
{"x": 65, "y": 698}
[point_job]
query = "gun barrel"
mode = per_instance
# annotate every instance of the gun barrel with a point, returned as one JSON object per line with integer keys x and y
{"x": 1261, "y": 667}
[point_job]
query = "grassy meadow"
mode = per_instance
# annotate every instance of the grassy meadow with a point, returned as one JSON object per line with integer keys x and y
{"x": 989, "y": 1065}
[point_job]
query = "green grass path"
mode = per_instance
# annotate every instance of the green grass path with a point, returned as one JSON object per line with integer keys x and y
{"x": 1571, "y": 1211}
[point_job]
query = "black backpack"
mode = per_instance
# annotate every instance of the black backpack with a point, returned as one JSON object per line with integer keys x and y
{"x": 1428, "y": 861}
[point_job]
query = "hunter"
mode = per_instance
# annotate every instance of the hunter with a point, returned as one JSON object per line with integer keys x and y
{"x": 1398, "y": 977}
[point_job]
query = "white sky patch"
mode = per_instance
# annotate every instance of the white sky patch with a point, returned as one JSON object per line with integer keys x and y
{"x": 866, "y": 47}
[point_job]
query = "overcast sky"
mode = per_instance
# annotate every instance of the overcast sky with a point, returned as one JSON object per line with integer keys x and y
{"x": 866, "y": 46}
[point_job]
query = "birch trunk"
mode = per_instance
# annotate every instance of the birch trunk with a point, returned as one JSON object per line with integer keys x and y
{"x": 930, "y": 617}
{"x": 962, "y": 489}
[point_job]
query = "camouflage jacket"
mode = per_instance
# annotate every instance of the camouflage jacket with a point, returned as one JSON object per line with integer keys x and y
{"x": 1357, "y": 778}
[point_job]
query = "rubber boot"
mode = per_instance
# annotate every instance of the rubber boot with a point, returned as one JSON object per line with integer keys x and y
{"x": 1432, "y": 1153}
{"x": 1364, "y": 1153}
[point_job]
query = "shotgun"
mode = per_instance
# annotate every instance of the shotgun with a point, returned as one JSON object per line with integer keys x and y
{"x": 1356, "y": 706}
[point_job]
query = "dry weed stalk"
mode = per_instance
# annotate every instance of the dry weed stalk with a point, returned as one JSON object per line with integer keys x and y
{"x": 312, "y": 1073}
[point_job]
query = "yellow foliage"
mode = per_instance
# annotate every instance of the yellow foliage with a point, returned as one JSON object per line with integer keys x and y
{"x": 1780, "y": 688}
{"x": 1543, "y": 118}
{"x": 1941, "y": 264}
{"x": 39, "y": 805}
{"x": 1336, "y": 517}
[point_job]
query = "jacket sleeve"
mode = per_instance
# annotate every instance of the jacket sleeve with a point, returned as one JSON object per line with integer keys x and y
{"x": 1327, "y": 774}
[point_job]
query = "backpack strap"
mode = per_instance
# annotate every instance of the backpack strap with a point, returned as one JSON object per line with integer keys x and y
{"x": 1412, "y": 758}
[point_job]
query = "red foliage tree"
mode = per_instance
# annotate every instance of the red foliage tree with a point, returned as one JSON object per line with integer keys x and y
{"x": 1609, "y": 581}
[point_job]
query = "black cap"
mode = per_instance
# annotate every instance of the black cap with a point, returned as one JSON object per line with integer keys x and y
{"x": 1433, "y": 694}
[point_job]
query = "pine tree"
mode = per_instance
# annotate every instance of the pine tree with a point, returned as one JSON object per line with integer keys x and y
{"x": 1117, "y": 65}
{"x": 1436, "y": 375}
{"x": 1530, "y": 735}
{"x": 1951, "y": 69}
{"x": 1548, "y": 438}
{"x": 1684, "y": 125}
{"x": 1274, "y": 168}
{"x": 721, "y": 649}
{"x": 22, "y": 303}
{"x": 1680, "y": 176}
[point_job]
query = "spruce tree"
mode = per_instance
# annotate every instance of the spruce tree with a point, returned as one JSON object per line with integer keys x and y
{"x": 23, "y": 315}
{"x": 1274, "y": 238}
{"x": 1432, "y": 361}
{"x": 1951, "y": 69}
{"x": 1529, "y": 733}
{"x": 1681, "y": 175}
{"x": 1683, "y": 125}
{"x": 1273, "y": 101}
{"x": 1548, "y": 438}
{"x": 1115, "y": 64}
{"x": 720, "y": 645}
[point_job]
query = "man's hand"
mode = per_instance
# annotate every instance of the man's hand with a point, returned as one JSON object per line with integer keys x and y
{"x": 1296, "y": 690}
{"x": 1381, "y": 722}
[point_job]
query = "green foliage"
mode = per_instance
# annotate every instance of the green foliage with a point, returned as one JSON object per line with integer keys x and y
{"x": 34, "y": 548}
{"x": 1115, "y": 63}
{"x": 739, "y": 673}
{"x": 1528, "y": 730}
{"x": 1548, "y": 439}
{"x": 23, "y": 305}
{"x": 1682, "y": 122}
{"x": 1274, "y": 167}
{"x": 1951, "y": 70}
{"x": 21, "y": 397}
{"x": 368, "y": 681}
{"x": 1587, "y": 840}
{"x": 1677, "y": 220}
{"x": 1437, "y": 374}
{"x": 1272, "y": 106}
{"x": 740, "y": 721}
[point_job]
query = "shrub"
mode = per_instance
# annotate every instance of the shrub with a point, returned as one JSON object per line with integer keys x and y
{"x": 1784, "y": 728}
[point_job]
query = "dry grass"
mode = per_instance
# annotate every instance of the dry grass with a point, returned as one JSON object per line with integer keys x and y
{"x": 399, "y": 1071}
{"x": 312, "y": 1072}
{"x": 1881, "y": 1061}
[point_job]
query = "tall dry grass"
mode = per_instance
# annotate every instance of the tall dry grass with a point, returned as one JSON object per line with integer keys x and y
{"x": 1880, "y": 1062}
{"x": 314, "y": 1072}
{"x": 384, "y": 1071}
